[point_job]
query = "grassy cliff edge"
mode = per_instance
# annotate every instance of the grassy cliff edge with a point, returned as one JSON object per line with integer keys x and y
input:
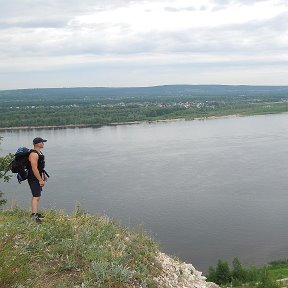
{"x": 82, "y": 250}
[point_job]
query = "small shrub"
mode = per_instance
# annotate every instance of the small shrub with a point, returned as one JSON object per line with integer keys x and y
{"x": 223, "y": 274}
{"x": 266, "y": 280}
{"x": 107, "y": 272}
{"x": 4, "y": 163}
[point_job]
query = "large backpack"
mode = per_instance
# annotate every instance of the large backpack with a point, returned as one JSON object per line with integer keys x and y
{"x": 20, "y": 163}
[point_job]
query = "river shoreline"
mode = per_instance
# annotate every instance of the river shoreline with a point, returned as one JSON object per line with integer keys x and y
{"x": 72, "y": 126}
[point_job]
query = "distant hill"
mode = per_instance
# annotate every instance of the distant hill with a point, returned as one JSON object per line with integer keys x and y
{"x": 148, "y": 93}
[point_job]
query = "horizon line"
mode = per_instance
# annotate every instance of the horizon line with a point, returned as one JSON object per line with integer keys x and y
{"x": 152, "y": 86}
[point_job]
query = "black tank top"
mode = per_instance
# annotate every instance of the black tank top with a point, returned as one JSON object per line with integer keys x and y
{"x": 40, "y": 166}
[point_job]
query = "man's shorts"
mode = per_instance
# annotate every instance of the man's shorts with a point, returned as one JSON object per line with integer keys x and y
{"x": 35, "y": 187}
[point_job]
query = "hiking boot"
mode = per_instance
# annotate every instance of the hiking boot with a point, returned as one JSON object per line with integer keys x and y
{"x": 35, "y": 217}
{"x": 40, "y": 215}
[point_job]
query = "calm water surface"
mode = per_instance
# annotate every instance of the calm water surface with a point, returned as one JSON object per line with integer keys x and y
{"x": 205, "y": 189}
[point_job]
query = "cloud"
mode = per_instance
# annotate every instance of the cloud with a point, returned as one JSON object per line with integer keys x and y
{"x": 172, "y": 9}
{"x": 239, "y": 2}
{"x": 47, "y": 22}
{"x": 28, "y": 13}
{"x": 52, "y": 35}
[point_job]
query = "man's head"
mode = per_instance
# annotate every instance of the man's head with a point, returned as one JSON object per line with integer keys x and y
{"x": 39, "y": 142}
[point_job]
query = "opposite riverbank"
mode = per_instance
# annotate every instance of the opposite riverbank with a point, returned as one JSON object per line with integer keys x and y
{"x": 111, "y": 124}
{"x": 81, "y": 107}
{"x": 72, "y": 126}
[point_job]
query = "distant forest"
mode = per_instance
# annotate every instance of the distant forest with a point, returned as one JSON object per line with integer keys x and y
{"x": 103, "y": 106}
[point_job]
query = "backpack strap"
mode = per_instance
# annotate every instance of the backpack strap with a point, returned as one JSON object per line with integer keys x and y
{"x": 44, "y": 171}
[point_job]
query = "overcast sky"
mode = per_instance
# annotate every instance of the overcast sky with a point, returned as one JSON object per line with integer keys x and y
{"x": 70, "y": 43}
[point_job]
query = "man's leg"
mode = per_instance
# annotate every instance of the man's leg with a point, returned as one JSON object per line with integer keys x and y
{"x": 35, "y": 204}
{"x": 36, "y": 194}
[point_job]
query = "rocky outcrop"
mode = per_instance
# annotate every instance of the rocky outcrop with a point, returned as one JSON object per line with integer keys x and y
{"x": 176, "y": 274}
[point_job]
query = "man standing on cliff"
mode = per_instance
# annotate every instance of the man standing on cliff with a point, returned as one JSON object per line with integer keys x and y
{"x": 37, "y": 176}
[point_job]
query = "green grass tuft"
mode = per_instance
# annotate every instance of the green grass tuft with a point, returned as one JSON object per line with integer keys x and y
{"x": 70, "y": 251}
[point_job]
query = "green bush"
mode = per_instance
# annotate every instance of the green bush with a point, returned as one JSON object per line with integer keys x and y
{"x": 266, "y": 281}
{"x": 220, "y": 275}
{"x": 4, "y": 163}
{"x": 239, "y": 276}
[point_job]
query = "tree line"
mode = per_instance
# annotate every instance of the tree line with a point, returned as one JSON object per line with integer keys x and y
{"x": 83, "y": 114}
{"x": 239, "y": 276}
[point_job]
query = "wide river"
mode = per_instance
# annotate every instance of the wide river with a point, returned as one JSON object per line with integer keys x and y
{"x": 204, "y": 189}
